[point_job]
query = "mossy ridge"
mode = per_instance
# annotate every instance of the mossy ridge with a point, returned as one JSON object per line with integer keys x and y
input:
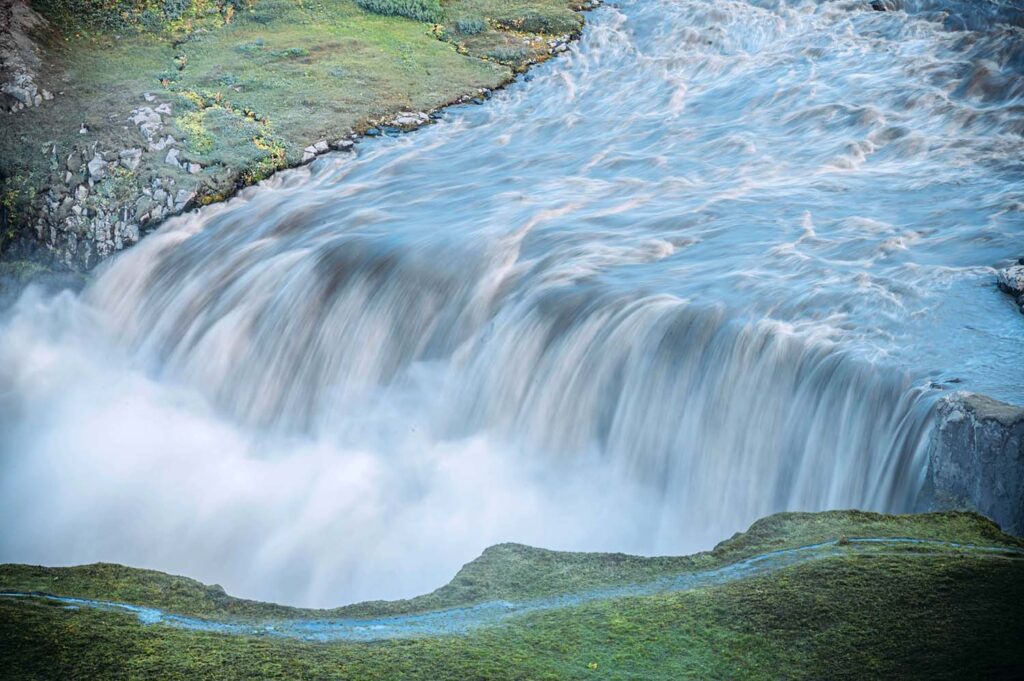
{"x": 506, "y": 571}
{"x": 784, "y": 530}
{"x": 519, "y": 572}
{"x": 851, "y": 616}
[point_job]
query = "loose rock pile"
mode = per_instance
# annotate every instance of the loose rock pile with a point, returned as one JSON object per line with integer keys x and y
{"x": 101, "y": 198}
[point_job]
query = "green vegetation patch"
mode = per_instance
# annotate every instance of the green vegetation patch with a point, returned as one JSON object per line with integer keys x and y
{"x": 419, "y": 10}
{"x": 513, "y": 34}
{"x": 906, "y": 615}
{"x": 318, "y": 70}
{"x": 512, "y": 572}
{"x": 252, "y": 83}
{"x": 470, "y": 25}
{"x": 138, "y": 15}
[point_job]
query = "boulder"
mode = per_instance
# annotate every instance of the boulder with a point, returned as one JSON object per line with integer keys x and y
{"x": 1011, "y": 280}
{"x": 183, "y": 198}
{"x": 97, "y": 167}
{"x": 407, "y": 120}
{"x": 161, "y": 144}
{"x": 148, "y": 120}
{"x": 976, "y": 459}
{"x": 129, "y": 158}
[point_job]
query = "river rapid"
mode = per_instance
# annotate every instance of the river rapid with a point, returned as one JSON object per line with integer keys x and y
{"x": 718, "y": 260}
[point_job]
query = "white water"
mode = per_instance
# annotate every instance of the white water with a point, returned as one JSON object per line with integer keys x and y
{"x": 700, "y": 270}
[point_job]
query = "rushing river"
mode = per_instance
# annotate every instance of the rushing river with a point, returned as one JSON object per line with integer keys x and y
{"x": 718, "y": 261}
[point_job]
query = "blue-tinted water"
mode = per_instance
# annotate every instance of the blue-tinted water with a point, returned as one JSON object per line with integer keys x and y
{"x": 705, "y": 267}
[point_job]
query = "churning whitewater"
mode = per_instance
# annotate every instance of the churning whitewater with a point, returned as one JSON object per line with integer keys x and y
{"x": 718, "y": 261}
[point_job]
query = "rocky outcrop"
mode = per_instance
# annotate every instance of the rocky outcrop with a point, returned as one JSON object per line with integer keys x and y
{"x": 977, "y": 459}
{"x": 1011, "y": 281}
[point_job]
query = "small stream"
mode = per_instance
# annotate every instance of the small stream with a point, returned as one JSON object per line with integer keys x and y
{"x": 463, "y": 620}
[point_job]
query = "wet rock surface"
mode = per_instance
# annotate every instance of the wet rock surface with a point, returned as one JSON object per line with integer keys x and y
{"x": 977, "y": 459}
{"x": 1011, "y": 282}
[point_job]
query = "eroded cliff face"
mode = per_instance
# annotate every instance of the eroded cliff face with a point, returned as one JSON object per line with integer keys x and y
{"x": 19, "y": 57}
{"x": 977, "y": 459}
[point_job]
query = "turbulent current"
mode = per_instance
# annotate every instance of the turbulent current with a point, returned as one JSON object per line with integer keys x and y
{"x": 717, "y": 261}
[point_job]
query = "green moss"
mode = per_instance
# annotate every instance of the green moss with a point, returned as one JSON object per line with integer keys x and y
{"x": 289, "y": 53}
{"x": 784, "y": 530}
{"x": 513, "y": 571}
{"x": 198, "y": 139}
{"x": 547, "y": 17}
{"x": 419, "y": 10}
{"x": 252, "y": 82}
{"x": 138, "y": 15}
{"x": 470, "y": 25}
{"x": 508, "y": 53}
{"x": 905, "y": 614}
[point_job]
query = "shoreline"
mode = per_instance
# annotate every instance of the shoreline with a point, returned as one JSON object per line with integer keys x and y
{"x": 106, "y": 201}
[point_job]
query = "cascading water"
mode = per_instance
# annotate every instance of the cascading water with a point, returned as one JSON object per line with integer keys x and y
{"x": 700, "y": 270}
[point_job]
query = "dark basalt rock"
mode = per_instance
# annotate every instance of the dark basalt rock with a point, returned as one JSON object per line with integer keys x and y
{"x": 977, "y": 459}
{"x": 1011, "y": 282}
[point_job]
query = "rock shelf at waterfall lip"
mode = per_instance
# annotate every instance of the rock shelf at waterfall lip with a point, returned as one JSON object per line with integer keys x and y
{"x": 1011, "y": 281}
{"x": 462, "y": 620}
{"x": 229, "y": 107}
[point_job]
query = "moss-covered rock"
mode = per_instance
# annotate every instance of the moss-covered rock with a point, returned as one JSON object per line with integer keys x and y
{"x": 907, "y": 613}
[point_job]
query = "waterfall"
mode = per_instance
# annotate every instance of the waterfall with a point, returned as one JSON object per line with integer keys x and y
{"x": 568, "y": 318}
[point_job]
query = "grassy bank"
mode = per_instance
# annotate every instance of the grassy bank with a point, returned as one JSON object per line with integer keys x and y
{"x": 160, "y": 106}
{"x": 904, "y": 613}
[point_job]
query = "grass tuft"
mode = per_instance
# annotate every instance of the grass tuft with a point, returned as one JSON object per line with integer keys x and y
{"x": 418, "y": 10}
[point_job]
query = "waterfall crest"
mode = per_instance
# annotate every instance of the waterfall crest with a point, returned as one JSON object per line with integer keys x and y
{"x": 718, "y": 260}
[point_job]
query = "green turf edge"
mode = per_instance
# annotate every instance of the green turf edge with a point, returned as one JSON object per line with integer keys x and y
{"x": 507, "y": 571}
{"x": 851, "y": 616}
